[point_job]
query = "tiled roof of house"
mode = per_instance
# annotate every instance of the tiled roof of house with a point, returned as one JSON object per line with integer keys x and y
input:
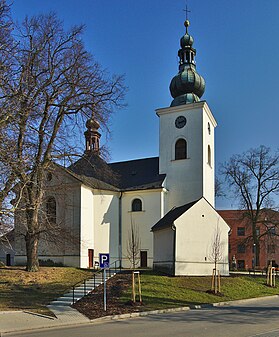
{"x": 168, "y": 220}
{"x": 241, "y": 217}
{"x": 127, "y": 175}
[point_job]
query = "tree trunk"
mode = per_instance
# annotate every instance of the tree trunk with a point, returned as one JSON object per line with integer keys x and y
{"x": 32, "y": 241}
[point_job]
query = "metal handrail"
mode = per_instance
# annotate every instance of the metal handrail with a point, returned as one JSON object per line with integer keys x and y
{"x": 112, "y": 268}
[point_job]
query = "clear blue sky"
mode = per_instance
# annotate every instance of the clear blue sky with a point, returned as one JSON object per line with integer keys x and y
{"x": 237, "y": 54}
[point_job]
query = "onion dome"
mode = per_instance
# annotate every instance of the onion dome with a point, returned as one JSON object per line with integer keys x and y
{"x": 92, "y": 136}
{"x": 187, "y": 86}
{"x": 92, "y": 124}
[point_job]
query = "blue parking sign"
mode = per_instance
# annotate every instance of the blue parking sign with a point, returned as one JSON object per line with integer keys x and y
{"x": 104, "y": 260}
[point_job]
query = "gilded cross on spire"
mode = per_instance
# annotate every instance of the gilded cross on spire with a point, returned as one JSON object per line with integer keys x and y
{"x": 186, "y": 23}
{"x": 186, "y": 11}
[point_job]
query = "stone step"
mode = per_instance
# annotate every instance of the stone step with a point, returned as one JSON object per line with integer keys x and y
{"x": 63, "y": 302}
{"x": 67, "y": 298}
{"x": 77, "y": 293}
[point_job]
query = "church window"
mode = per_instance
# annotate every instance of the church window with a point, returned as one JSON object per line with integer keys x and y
{"x": 51, "y": 209}
{"x": 136, "y": 205}
{"x": 180, "y": 149}
{"x": 209, "y": 155}
{"x": 208, "y": 128}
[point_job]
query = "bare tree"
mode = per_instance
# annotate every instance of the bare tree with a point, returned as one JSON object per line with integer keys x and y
{"x": 218, "y": 188}
{"x": 133, "y": 245}
{"x": 50, "y": 86}
{"x": 253, "y": 178}
{"x": 216, "y": 255}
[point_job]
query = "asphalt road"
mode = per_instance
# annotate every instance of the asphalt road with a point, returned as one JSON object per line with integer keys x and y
{"x": 250, "y": 319}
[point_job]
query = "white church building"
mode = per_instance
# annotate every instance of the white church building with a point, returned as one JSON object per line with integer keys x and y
{"x": 168, "y": 200}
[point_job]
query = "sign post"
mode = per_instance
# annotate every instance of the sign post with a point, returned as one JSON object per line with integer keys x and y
{"x": 104, "y": 263}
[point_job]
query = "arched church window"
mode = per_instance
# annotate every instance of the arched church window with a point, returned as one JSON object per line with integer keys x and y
{"x": 51, "y": 209}
{"x": 209, "y": 155}
{"x": 181, "y": 149}
{"x": 136, "y": 205}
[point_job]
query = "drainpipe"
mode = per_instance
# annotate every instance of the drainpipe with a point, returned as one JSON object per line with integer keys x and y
{"x": 120, "y": 229}
{"x": 174, "y": 247}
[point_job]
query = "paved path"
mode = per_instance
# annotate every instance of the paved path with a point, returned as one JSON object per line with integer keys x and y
{"x": 12, "y": 321}
{"x": 252, "y": 314}
{"x": 252, "y": 318}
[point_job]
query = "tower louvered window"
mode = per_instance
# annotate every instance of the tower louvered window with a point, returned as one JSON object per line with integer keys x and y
{"x": 181, "y": 149}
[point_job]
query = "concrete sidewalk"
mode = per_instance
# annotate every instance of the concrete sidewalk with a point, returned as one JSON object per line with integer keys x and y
{"x": 13, "y": 321}
{"x": 17, "y": 321}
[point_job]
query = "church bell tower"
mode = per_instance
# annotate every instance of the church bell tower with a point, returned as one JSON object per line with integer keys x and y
{"x": 187, "y": 134}
{"x": 92, "y": 137}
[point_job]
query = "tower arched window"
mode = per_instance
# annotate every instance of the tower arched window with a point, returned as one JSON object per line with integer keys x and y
{"x": 180, "y": 149}
{"x": 209, "y": 155}
{"x": 51, "y": 209}
{"x": 136, "y": 205}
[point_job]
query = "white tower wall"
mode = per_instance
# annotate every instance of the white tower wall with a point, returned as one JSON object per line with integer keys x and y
{"x": 191, "y": 178}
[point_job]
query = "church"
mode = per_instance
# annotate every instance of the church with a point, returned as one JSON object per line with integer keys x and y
{"x": 166, "y": 202}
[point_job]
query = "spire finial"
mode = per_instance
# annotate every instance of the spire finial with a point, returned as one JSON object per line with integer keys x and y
{"x": 187, "y": 86}
{"x": 187, "y": 22}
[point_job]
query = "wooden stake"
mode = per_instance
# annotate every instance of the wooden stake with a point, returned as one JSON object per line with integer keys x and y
{"x": 133, "y": 288}
{"x": 140, "y": 299}
{"x": 212, "y": 280}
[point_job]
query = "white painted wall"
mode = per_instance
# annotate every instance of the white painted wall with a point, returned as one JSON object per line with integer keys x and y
{"x": 191, "y": 178}
{"x": 208, "y": 128}
{"x": 152, "y": 201}
{"x": 66, "y": 191}
{"x": 195, "y": 231}
{"x": 86, "y": 225}
{"x": 106, "y": 224}
{"x": 164, "y": 250}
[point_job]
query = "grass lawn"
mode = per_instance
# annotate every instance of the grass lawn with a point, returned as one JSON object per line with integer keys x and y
{"x": 21, "y": 290}
{"x": 160, "y": 292}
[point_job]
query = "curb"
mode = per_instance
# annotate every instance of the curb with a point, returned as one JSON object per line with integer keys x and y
{"x": 190, "y": 307}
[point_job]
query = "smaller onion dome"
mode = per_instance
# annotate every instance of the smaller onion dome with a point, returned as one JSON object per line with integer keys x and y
{"x": 92, "y": 124}
{"x": 186, "y": 40}
{"x": 92, "y": 136}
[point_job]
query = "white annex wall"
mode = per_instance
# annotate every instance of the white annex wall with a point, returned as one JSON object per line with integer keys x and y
{"x": 152, "y": 202}
{"x": 195, "y": 232}
{"x": 164, "y": 250}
